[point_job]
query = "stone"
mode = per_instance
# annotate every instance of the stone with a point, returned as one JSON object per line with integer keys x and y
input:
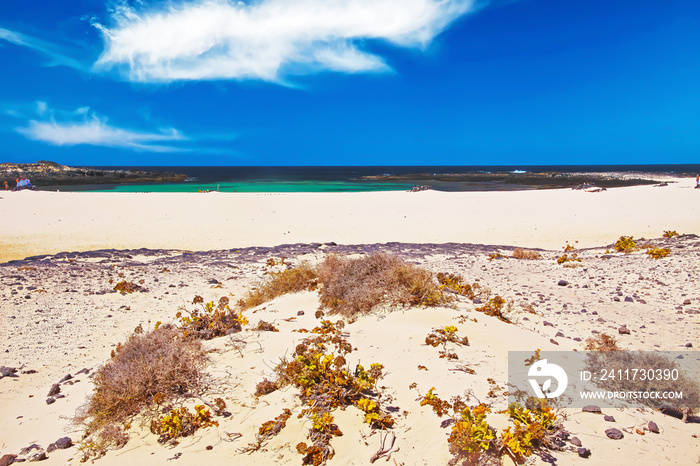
{"x": 55, "y": 390}
{"x": 688, "y": 345}
{"x": 609, "y": 418}
{"x": 300, "y": 313}
{"x": 7, "y": 460}
{"x": 66, "y": 377}
{"x": 623, "y": 331}
{"x": 584, "y": 452}
{"x": 50, "y": 400}
{"x": 559, "y": 334}
{"x": 51, "y": 448}
{"x": 686, "y": 302}
{"x": 576, "y": 441}
{"x": 553, "y": 341}
{"x": 562, "y": 283}
{"x": 578, "y": 339}
{"x": 547, "y": 324}
{"x": 41, "y": 456}
{"x": 615, "y": 434}
{"x": 64, "y": 442}
{"x": 592, "y": 409}
{"x": 653, "y": 427}
{"x": 628, "y": 299}
{"x": 7, "y": 371}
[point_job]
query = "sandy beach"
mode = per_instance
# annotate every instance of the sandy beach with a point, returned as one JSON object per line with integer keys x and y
{"x": 60, "y": 314}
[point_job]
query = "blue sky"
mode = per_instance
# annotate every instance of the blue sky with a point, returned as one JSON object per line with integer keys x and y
{"x": 340, "y": 82}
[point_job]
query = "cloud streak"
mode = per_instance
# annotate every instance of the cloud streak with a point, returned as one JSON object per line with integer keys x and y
{"x": 85, "y": 127}
{"x": 56, "y": 55}
{"x": 267, "y": 39}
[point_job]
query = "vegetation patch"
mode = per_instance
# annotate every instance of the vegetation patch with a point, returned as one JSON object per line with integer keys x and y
{"x": 625, "y": 244}
{"x": 519, "y": 253}
{"x": 472, "y": 441}
{"x": 355, "y": 286}
{"x": 125, "y": 287}
{"x": 319, "y": 370}
{"x": 658, "y": 253}
{"x": 150, "y": 367}
{"x": 454, "y": 283}
{"x": 670, "y": 233}
{"x": 602, "y": 342}
{"x": 494, "y": 308}
{"x": 207, "y": 321}
{"x": 564, "y": 258}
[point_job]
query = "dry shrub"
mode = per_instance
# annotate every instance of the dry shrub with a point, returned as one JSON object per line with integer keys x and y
{"x": 300, "y": 278}
{"x": 603, "y": 342}
{"x": 355, "y": 286}
{"x": 161, "y": 365}
{"x": 519, "y": 253}
{"x": 667, "y": 377}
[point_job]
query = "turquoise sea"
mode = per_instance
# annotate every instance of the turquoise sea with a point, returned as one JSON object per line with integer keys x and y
{"x": 356, "y": 179}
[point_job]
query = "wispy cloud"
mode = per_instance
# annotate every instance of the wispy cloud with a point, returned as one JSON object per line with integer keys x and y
{"x": 83, "y": 126}
{"x": 266, "y": 39}
{"x": 56, "y": 55}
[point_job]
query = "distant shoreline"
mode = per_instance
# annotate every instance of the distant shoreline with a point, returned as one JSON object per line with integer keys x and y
{"x": 358, "y": 179}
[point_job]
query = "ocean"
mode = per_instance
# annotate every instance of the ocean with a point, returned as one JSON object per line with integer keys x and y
{"x": 375, "y": 178}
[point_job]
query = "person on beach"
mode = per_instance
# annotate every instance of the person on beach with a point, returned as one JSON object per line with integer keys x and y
{"x": 7, "y": 186}
{"x": 697, "y": 181}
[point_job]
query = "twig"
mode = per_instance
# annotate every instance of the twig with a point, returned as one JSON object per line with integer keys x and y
{"x": 383, "y": 450}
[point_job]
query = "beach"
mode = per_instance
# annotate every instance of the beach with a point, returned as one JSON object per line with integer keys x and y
{"x": 60, "y": 313}
{"x": 47, "y": 223}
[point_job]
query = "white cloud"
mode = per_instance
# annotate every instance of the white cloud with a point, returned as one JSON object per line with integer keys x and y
{"x": 266, "y": 39}
{"x": 85, "y": 127}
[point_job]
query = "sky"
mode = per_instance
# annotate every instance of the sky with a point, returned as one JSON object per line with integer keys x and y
{"x": 350, "y": 82}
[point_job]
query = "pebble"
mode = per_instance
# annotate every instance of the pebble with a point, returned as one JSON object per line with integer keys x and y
{"x": 615, "y": 434}
{"x": 562, "y": 283}
{"x": 584, "y": 452}
{"x": 623, "y": 331}
{"x": 653, "y": 427}
{"x": 576, "y": 441}
{"x": 609, "y": 418}
{"x": 592, "y": 409}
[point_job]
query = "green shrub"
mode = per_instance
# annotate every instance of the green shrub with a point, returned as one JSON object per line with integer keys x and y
{"x": 209, "y": 321}
{"x": 658, "y": 253}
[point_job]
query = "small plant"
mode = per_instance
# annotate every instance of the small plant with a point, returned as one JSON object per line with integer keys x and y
{"x": 496, "y": 255}
{"x": 268, "y": 430}
{"x": 564, "y": 258}
{"x": 670, "y": 233}
{"x": 181, "y": 423}
{"x": 319, "y": 370}
{"x": 454, "y": 283}
{"x": 125, "y": 287}
{"x": 625, "y": 244}
{"x": 442, "y": 336}
{"x": 266, "y": 327}
{"x": 569, "y": 247}
{"x": 494, "y": 308}
{"x": 519, "y": 253}
{"x": 209, "y": 321}
{"x": 658, "y": 253}
{"x": 602, "y": 342}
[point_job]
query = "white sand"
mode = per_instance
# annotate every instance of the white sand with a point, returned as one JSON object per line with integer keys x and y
{"x": 61, "y": 331}
{"x": 46, "y": 222}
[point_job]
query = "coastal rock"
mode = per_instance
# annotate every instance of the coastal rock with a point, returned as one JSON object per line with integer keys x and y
{"x": 584, "y": 452}
{"x": 562, "y": 283}
{"x": 592, "y": 409}
{"x": 688, "y": 345}
{"x": 623, "y": 331}
{"x": 7, "y": 460}
{"x": 547, "y": 324}
{"x": 55, "y": 390}
{"x": 653, "y": 427}
{"x": 66, "y": 377}
{"x": 64, "y": 442}
{"x": 615, "y": 434}
{"x": 576, "y": 441}
{"x": 41, "y": 456}
{"x": 50, "y": 400}
{"x": 609, "y": 418}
